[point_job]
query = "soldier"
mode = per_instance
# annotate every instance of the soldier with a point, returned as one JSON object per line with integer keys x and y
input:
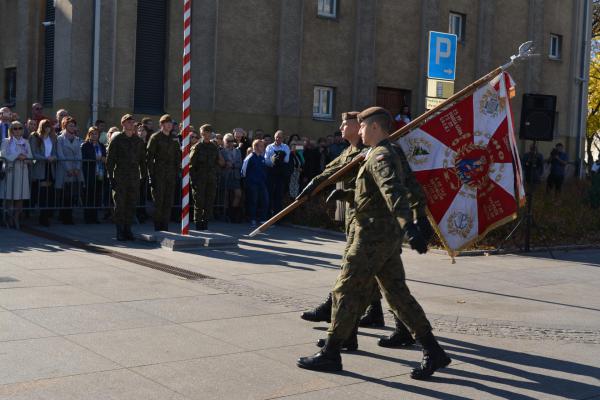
{"x": 382, "y": 216}
{"x": 126, "y": 165}
{"x": 163, "y": 157}
{"x": 204, "y": 167}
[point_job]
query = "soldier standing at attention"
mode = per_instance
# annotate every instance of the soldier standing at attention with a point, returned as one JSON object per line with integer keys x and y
{"x": 126, "y": 165}
{"x": 205, "y": 161}
{"x": 163, "y": 157}
{"x": 383, "y": 216}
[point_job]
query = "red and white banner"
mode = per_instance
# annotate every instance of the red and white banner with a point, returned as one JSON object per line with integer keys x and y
{"x": 467, "y": 163}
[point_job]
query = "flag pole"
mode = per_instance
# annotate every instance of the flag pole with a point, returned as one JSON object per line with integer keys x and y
{"x": 185, "y": 122}
{"x": 525, "y": 51}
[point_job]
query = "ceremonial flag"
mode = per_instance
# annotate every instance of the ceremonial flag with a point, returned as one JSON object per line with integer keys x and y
{"x": 467, "y": 163}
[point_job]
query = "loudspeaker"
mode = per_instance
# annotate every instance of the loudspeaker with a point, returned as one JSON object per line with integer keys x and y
{"x": 537, "y": 117}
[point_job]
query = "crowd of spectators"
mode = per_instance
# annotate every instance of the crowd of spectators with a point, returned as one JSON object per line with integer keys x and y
{"x": 51, "y": 166}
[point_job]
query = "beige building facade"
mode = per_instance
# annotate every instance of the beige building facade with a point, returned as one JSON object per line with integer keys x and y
{"x": 282, "y": 64}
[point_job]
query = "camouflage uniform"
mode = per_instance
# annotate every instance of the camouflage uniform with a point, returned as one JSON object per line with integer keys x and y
{"x": 163, "y": 156}
{"x": 382, "y": 210}
{"x": 126, "y": 165}
{"x": 204, "y": 167}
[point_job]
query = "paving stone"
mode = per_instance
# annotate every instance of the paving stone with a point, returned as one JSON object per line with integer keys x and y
{"x": 13, "y": 327}
{"x": 50, "y": 296}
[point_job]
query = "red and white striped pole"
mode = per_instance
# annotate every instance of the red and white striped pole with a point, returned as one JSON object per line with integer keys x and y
{"x": 185, "y": 154}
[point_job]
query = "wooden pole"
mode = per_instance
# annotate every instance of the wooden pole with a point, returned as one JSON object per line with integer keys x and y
{"x": 394, "y": 136}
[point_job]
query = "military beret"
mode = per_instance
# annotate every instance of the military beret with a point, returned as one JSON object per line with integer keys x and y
{"x": 206, "y": 127}
{"x": 372, "y": 111}
{"x": 146, "y": 120}
{"x": 349, "y": 115}
{"x": 126, "y": 117}
{"x": 165, "y": 118}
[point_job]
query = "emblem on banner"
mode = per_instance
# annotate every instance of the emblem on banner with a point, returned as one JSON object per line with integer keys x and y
{"x": 490, "y": 104}
{"x": 419, "y": 150}
{"x": 460, "y": 224}
{"x": 472, "y": 165}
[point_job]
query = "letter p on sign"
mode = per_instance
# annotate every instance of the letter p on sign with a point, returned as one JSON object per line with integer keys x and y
{"x": 442, "y": 56}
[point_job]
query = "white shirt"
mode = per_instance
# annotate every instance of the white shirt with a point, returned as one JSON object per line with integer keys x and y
{"x": 272, "y": 148}
{"x": 47, "y": 147}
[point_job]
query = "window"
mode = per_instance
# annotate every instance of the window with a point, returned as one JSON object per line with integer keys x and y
{"x": 327, "y": 8}
{"x": 555, "y": 46}
{"x": 150, "y": 53}
{"x": 323, "y": 102}
{"x": 49, "y": 54}
{"x": 10, "y": 86}
{"x": 457, "y": 25}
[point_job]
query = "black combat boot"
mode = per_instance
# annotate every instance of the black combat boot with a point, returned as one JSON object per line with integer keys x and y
{"x": 350, "y": 344}
{"x": 434, "y": 358}
{"x": 326, "y": 360}
{"x": 204, "y": 224}
{"x": 128, "y": 233}
{"x": 374, "y": 316}
{"x": 120, "y": 233}
{"x": 322, "y": 313}
{"x": 401, "y": 337}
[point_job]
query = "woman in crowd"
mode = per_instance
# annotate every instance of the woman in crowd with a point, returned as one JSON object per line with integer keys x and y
{"x": 14, "y": 188}
{"x": 69, "y": 176}
{"x": 296, "y": 164}
{"x": 254, "y": 171}
{"x": 93, "y": 154}
{"x": 230, "y": 177}
{"x": 43, "y": 148}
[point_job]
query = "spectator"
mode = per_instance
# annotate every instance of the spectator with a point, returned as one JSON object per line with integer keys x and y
{"x": 31, "y": 127}
{"x": 140, "y": 211}
{"x": 148, "y": 124}
{"x": 93, "y": 154}
{"x": 329, "y": 140}
{"x": 69, "y": 175}
{"x": 403, "y": 118}
{"x": 194, "y": 138}
{"x": 60, "y": 114}
{"x": 296, "y": 165}
{"x": 218, "y": 140}
{"x": 37, "y": 113}
{"x": 258, "y": 134}
{"x": 5, "y": 120}
{"x": 141, "y": 131}
{"x": 254, "y": 171}
{"x": 230, "y": 176}
{"x": 311, "y": 162}
{"x": 293, "y": 138}
{"x": 14, "y": 188}
{"x": 338, "y": 145}
{"x": 243, "y": 143}
{"x": 111, "y": 131}
{"x": 596, "y": 167}
{"x": 101, "y": 125}
{"x": 323, "y": 154}
{"x": 44, "y": 150}
{"x": 558, "y": 161}
{"x": 277, "y": 158}
{"x": 267, "y": 140}
{"x": 533, "y": 166}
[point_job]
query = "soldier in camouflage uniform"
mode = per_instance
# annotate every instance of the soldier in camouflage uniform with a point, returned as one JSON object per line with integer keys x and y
{"x": 383, "y": 216}
{"x": 126, "y": 165}
{"x": 163, "y": 157}
{"x": 204, "y": 167}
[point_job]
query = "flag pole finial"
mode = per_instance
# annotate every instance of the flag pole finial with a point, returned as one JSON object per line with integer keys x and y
{"x": 525, "y": 51}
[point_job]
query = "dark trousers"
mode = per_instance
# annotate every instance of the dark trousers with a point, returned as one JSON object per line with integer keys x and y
{"x": 43, "y": 196}
{"x": 96, "y": 196}
{"x": 277, "y": 186}
{"x": 257, "y": 201}
{"x": 67, "y": 197}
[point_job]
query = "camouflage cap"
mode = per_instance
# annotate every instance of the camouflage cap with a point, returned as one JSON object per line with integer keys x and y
{"x": 372, "y": 111}
{"x": 206, "y": 128}
{"x": 165, "y": 118}
{"x": 349, "y": 115}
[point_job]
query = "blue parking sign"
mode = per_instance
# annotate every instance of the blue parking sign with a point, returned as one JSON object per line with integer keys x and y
{"x": 442, "y": 56}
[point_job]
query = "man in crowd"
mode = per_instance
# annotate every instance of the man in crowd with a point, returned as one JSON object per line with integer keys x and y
{"x": 558, "y": 161}
{"x": 205, "y": 161}
{"x": 242, "y": 141}
{"x": 277, "y": 157}
{"x": 5, "y": 120}
{"x": 533, "y": 166}
{"x": 60, "y": 114}
{"x": 163, "y": 157}
{"x": 126, "y": 165}
{"x": 37, "y": 113}
{"x": 338, "y": 145}
{"x": 383, "y": 216}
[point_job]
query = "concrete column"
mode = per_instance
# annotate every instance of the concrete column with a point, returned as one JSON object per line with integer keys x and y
{"x": 365, "y": 83}
{"x": 535, "y": 32}
{"x": 124, "y": 59}
{"x": 485, "y": 37}
{"x": 27, "y": 56}
{"x": 430, "y": 15}
{"x": 204, "y": 38}
{"x": 108, "y": 32}
{"x": 290, "y": 58}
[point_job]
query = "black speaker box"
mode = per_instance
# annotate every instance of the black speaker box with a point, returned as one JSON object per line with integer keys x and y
{"x": 537, "y": 117}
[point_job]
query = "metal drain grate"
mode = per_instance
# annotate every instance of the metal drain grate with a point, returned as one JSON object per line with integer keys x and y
{"x": 6, "y": 279}
{"x": 184, "y": 273}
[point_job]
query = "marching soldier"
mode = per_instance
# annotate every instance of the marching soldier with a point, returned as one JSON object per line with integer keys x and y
{"x": 126, "y": 165}
{"x": 383, "y": 216}
{"x": 204, "y": 167}
{"x": 163, "y": 157}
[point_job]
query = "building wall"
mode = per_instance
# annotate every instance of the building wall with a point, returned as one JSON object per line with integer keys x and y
{"x": 255, "y": 63}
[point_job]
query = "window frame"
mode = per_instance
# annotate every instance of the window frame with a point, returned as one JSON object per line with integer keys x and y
{"x": 10, "y": 76}
{"x": 319, "y": 115}
{"x": 335, "y": 8}
{"x": 461, "y": 35}
{"x": 555, "y": 38}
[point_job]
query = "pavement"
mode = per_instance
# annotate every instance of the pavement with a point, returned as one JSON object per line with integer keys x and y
{"x": 76, "y": 324}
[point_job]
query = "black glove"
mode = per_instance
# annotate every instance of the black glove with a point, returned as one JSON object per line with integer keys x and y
{"x": 415, "y": 238}
{"x": 308, "y": 189}
{"x": 425, "y": 228}
{"x": 340, "y": 194}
